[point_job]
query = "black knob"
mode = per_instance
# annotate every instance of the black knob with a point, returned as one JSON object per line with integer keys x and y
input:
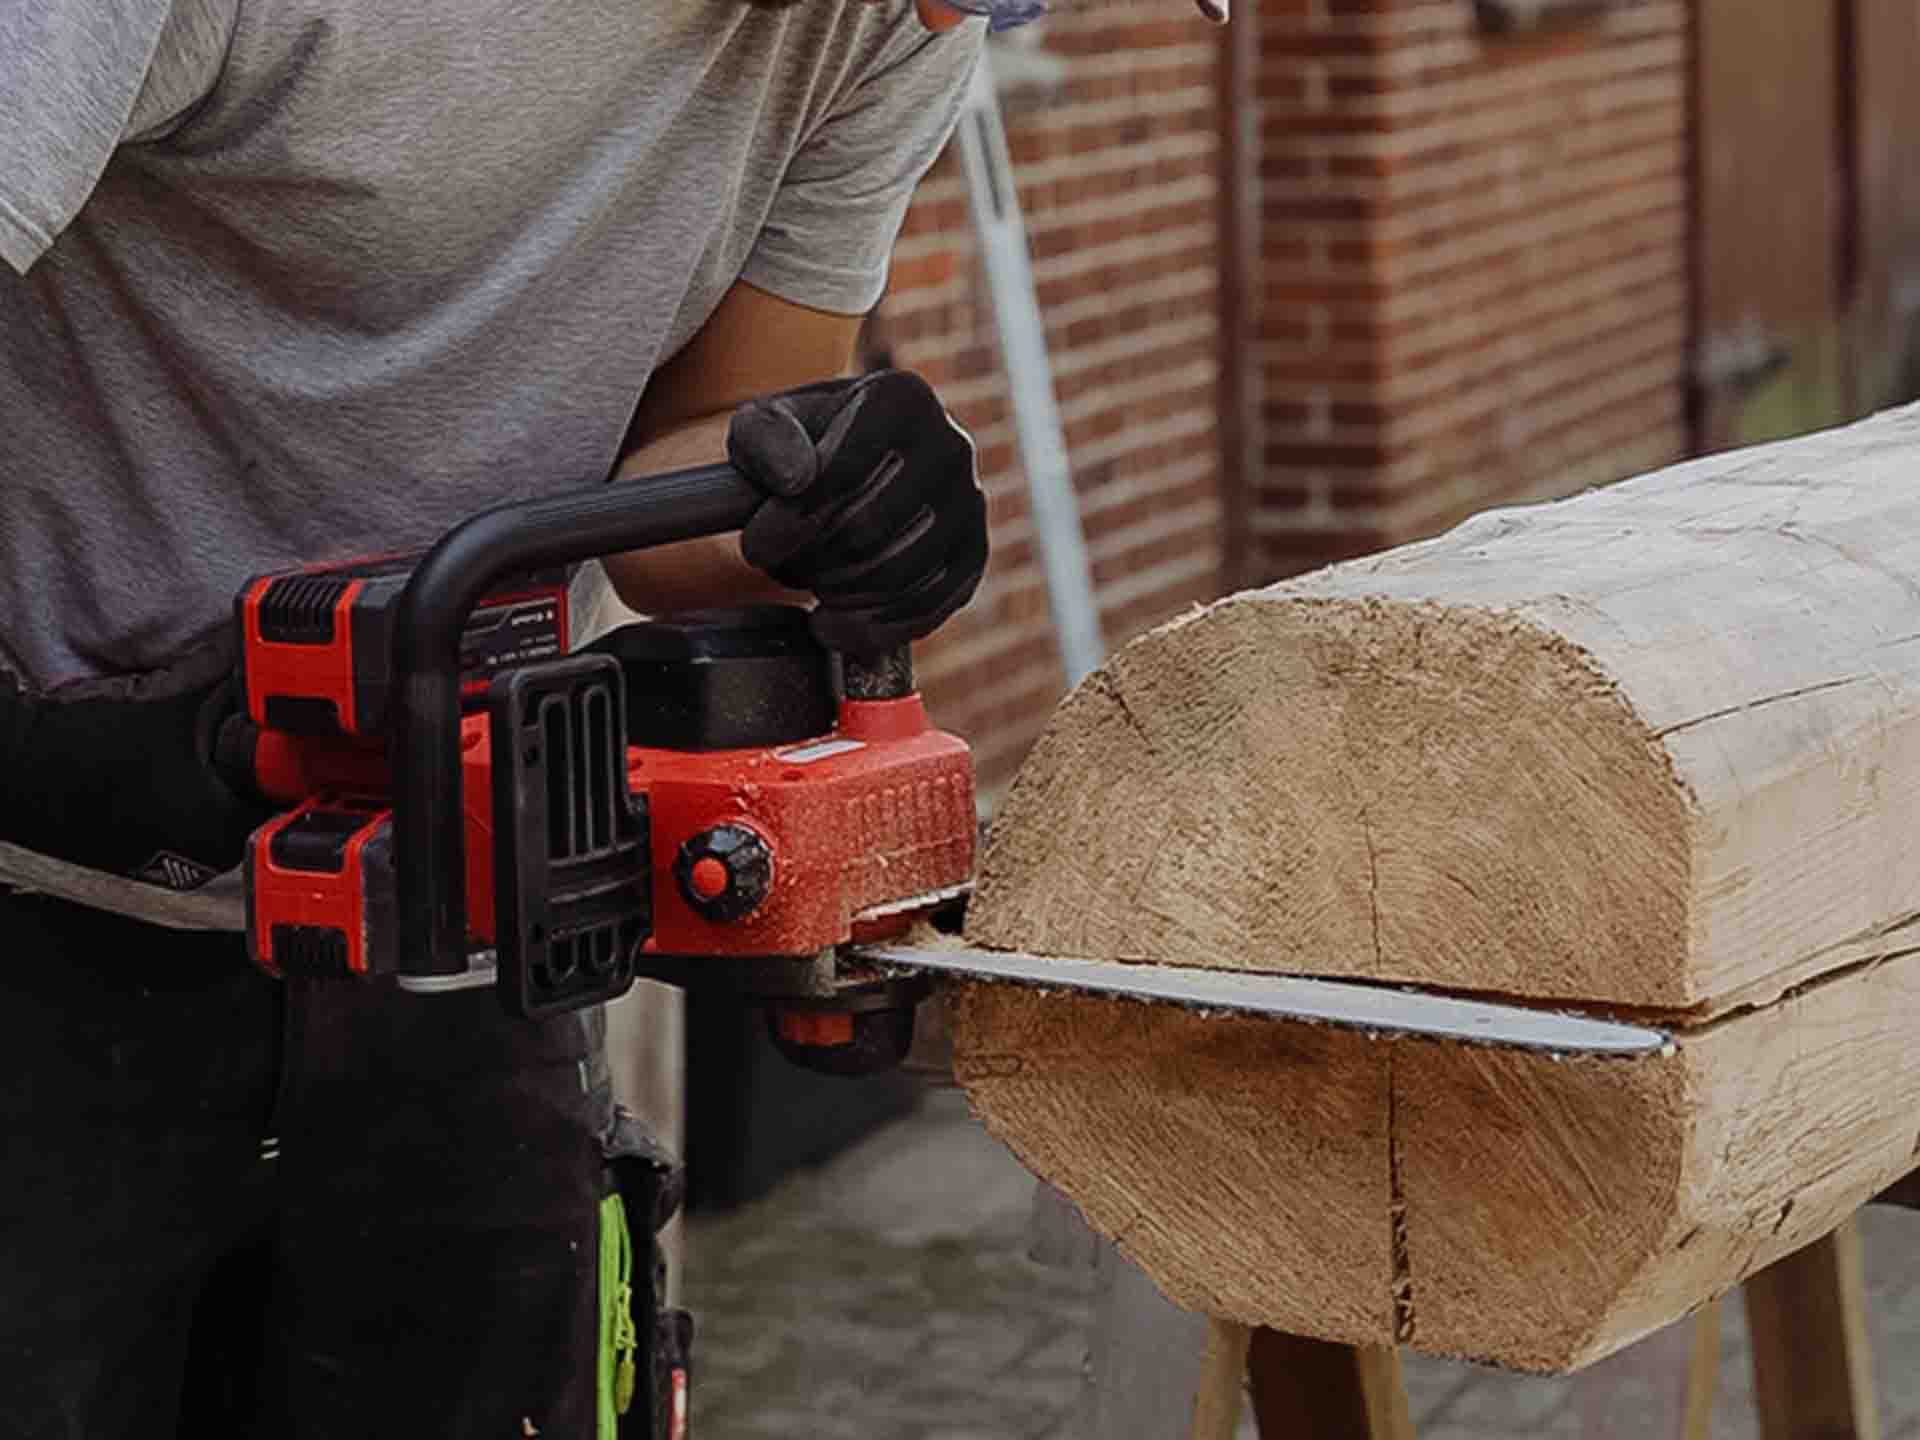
{"x": 724, "y": 872}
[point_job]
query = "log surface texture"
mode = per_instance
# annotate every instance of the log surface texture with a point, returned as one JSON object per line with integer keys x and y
{"x": 1654, "y": 751}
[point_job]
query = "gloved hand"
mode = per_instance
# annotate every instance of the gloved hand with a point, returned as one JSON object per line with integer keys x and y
{"x": 873, "y": 505}
{"x": 120, "y": 775}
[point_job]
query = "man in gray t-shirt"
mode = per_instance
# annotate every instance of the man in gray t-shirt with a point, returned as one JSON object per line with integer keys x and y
{"x": 317, "y": 277}
{"x": 290, "y": 280}
{"x": 296, "y": 280}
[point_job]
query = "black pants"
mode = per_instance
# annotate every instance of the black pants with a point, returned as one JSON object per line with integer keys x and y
{"x": 232, "y": 1207}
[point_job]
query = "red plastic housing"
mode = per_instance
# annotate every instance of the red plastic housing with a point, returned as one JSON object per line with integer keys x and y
{"x": 318, "y": 913}
{"x": 317, "y": 643}
{"x": 878, "y": 812}
{"x": 356, "y": 902}
{"x": 323, "y": 671}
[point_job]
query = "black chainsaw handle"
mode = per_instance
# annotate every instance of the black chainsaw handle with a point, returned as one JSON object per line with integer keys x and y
{"x": 429, "y": 836}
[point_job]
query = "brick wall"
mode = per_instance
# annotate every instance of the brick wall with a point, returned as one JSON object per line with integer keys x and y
{"x": 1117, "y": 175}
{"x": 1469, "y": 287}
{"x": 1473, "y": 265}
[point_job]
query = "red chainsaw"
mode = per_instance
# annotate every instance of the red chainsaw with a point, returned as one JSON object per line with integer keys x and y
{"x": 708, "y": 799}
{"x": 702, "y": 795}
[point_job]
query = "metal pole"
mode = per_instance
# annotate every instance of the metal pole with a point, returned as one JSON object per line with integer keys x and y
{"x": 1002, "y": 234}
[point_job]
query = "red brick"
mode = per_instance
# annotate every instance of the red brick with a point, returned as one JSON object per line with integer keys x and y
{"x": 1520, "y": 136}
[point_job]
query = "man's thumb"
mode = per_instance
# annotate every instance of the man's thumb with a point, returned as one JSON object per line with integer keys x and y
{"x": 767, "y": 443}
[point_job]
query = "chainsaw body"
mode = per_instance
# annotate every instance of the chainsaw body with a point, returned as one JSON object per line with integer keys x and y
{"x": 696, "y": 788}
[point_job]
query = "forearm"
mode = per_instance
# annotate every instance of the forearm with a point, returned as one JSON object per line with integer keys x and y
{"x": 754, "y": 343}
{"x": 695, "y": 573}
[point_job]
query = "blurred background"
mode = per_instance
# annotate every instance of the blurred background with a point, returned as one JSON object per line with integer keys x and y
{"x": 1323, "y": 283}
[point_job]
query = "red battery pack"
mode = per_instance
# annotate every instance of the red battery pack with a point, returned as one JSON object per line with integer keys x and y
{"x": 321, "y": 892}
{"x": 317, "y": 644}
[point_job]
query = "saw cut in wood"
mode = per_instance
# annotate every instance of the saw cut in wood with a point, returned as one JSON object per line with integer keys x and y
{"x": 1651, "y": 754}
{"x": 1370, "y": 1009}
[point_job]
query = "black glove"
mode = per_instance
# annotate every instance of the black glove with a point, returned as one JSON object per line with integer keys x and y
{"x": 873, "y": 505}
{"x": 120, "y": 775}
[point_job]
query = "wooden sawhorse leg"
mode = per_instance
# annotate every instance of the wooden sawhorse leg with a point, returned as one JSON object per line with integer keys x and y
{"x": 1812, "y": 1365}
{"x": 1314, "y": 1389}
{"x": 1812, "y": 1369}
{"x": 1660, "y": 1388}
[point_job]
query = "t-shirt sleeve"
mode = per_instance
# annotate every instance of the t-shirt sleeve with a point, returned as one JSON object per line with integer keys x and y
{"x": 70, "y": 71}
{"x": 827, "y": 240}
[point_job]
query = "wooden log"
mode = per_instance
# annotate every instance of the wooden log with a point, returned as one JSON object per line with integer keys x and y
{"x": 1655, "y": 746}
{"x": 1655, "y": 751}
{"x": 1493, "y": 1205}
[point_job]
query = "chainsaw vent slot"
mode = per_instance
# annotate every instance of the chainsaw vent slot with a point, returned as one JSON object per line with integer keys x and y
{"x": 315, "y": 952}
{"x": 298, "y": 609}
{"x": 572, "y": 897}
{"x": 580, "y": 761}
{"x": 593, "y": 952}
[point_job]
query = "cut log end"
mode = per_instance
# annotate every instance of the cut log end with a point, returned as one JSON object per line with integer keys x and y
{"x": 1521, "y": 1209}
{"x": 1351, "y": 1227}
{"x": 1145, "y": 1117}
{"x": 1447, "y": 796}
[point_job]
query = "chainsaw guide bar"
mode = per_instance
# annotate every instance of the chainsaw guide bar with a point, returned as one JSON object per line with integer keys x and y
{"x": 1376, "y": 1009}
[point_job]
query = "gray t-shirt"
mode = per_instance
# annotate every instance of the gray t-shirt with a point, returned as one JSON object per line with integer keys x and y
{"x": 304, "y": 279}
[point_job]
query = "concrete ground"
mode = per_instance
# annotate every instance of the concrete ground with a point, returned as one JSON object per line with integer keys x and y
{"x": 887, "y": 1296}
